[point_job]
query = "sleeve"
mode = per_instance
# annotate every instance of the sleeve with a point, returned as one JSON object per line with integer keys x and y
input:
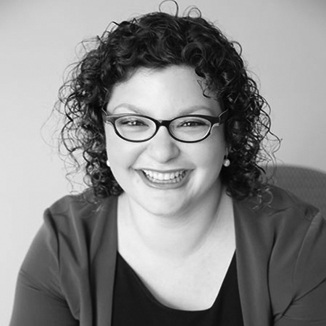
{"x": 38, "y": 298}
{"x": 308, "y": 307}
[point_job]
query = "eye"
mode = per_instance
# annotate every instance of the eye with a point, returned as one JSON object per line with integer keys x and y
{"x": 191, "y": 123}
{"x": 132, "y": 121}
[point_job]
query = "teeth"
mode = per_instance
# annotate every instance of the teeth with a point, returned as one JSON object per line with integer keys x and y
{"x": 172, "y": 177}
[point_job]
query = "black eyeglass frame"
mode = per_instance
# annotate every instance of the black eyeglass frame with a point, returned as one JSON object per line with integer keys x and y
{"x": 214, "y": 121}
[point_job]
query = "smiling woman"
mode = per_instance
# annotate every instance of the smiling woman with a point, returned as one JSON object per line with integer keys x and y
{"x": 179, "y": 225}
{"x": 166, "y": 94}
{"x": 188, "y": 41}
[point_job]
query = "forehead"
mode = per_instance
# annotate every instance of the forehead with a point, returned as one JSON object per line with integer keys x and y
{"x": 170, "y": 91}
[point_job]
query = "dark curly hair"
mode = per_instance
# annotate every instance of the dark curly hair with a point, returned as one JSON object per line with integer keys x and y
{"x": 158, "y": 40}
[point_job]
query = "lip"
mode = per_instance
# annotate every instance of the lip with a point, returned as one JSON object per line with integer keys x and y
{"x": 168, "y": 179}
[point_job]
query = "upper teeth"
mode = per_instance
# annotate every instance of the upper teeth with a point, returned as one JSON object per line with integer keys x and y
{"x": 163, "y": 176}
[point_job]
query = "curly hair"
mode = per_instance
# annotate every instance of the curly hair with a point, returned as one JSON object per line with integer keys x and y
{"x": 158, "y": 40}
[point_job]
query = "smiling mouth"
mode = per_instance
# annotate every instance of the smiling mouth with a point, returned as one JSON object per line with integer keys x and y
{"x": 164, "y": 178}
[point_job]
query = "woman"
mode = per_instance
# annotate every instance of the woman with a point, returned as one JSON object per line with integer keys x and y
{"x": 178, "y": 226}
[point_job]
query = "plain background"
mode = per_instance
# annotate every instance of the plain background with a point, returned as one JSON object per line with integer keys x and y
{"x": 283, "y": 42}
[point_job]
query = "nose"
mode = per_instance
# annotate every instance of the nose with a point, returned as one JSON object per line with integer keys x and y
{"x": 162, "y": 147}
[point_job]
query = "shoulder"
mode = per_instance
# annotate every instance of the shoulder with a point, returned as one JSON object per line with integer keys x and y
{"x": 297, "y": 264}
{"x": 74, "y": 231}
{"x": 285, "y": 200}
{"x": 80, "y": 215}
{"x": 75, "y": 240}
{"x": 80, "y": 206}
{"x": 78, "y": 226}
{"x": 288, "y": 236}
{"x": 281, "y": 229}
{"x": 277, "y": 208}
{"x": 277, "y": 225}
{"x": 74, "y": 226}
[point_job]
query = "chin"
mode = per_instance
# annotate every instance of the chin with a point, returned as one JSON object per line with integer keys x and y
{"x": 166, "y": 207}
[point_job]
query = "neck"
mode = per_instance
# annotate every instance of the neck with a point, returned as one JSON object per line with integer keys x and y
{"x": 172, "y": 236}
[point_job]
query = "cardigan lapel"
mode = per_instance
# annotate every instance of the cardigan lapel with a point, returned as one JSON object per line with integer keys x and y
{"x": 253, "y": 247}
{"x": 104, "y": 262}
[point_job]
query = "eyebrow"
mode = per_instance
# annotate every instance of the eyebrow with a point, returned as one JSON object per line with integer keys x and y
{"x": 185, "y": 111}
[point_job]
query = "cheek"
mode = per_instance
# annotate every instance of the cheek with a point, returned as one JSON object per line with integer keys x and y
{"x": 113, "y": 143}
{"x": 209, "y": 161}
{"x": 213, "y": 151}
{"x": 121, "y": 154}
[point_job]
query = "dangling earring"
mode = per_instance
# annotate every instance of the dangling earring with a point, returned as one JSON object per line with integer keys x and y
{"x": 108, "y": 162}
{"x": 226, "y": 162}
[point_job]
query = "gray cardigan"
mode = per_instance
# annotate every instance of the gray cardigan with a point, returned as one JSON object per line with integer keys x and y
{"x": 67, "y": 277}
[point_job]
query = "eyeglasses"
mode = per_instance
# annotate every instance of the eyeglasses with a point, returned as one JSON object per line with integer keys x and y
{"x": 187, "y": 129}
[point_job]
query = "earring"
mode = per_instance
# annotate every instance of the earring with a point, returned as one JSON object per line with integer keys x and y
{"x": 108, "y": 163}
{"x": 226, "y": 162}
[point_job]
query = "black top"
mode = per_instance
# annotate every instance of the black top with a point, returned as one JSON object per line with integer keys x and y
{"x": 134, "y": 305}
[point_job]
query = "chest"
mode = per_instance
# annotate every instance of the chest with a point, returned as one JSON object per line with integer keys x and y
{"x": 179, "y": 272}
{"x": 189, "y": 283}
{"x": 143, "y": 309}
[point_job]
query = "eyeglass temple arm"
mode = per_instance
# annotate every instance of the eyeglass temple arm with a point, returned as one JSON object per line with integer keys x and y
{"x": 222, "y": 117}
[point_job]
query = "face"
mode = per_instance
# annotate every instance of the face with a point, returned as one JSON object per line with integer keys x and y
{"x": 162, "y": 175}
